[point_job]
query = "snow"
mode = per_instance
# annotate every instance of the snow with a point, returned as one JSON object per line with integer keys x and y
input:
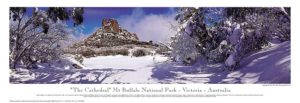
{"x": 50, "y": 75}
{"x": 134, "y": 69}
{"x": 269, "y": 65}
{"x": 235, "y": 35}
{"x": 230, "y": 60}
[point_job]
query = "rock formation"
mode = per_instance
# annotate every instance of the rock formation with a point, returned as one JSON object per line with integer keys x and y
{"x": 110, "y": 26}
{"x": 110, "y": 34}
{"x": 110, "y": 39}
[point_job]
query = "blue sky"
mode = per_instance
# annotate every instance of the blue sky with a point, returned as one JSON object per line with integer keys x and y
{"x": 146, "y": 22}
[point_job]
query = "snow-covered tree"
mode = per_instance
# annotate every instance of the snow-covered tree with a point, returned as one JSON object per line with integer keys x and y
{"x": 191, "y": 38}
{"x": 227, "y": 34}
{"x": 194, "y": 38}
{"x": 253, "y": 29}
{"x": 36, "y": 38}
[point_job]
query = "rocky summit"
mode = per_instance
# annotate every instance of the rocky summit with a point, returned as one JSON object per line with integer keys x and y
{"x": 111, "y": 39}
{"x": 110, "y": 34}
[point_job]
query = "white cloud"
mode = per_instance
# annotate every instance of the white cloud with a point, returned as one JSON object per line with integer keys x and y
{"x": 78, "y": 33}
{"x": 149, "y": 27}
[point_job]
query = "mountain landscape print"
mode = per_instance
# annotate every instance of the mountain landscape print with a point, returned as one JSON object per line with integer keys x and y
{"x": 149, "y": 45}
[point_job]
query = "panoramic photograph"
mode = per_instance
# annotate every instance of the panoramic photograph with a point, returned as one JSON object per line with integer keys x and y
{"x": 149, "y": 45}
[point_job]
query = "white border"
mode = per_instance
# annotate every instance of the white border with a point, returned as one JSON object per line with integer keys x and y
{"x": 272, "y": 93}
{"x": 150, "y": 3}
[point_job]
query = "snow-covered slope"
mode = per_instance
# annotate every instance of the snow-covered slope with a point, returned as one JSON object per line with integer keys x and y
{"x": 269, "y": 65}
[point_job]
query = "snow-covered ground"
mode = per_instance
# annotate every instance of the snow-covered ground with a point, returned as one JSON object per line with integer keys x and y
{"x": 270, "y": 65}
{"x": 133, "y": 69}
